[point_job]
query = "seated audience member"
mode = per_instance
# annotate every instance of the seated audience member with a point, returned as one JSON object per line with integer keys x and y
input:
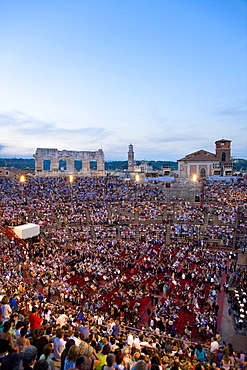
{"x": 71, "y": 358}
{"x": 12, "y": 361}
{"x": 21, "y": 341}
{"x": 47, "y": 351}
{"x": 6, "y": 341}
{"x": 41, "y": 365}
{"x": 29, "y": 357}
{"x": 39, "y": 341}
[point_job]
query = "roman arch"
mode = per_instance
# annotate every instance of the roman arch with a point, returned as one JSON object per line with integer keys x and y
{"x": 58, "y": 163}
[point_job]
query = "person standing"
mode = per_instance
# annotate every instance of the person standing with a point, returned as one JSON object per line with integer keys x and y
{"x": 214, "y": 346}
{"x": 229, "y": 314}
{"x": 13, "y": 302}
{"x": 59, "y": 345}
{"x": 85, "y": 330}
{"x": 6, "y": 309}
{"x": 62, "y": 319}
{"x": 34, "y": 320}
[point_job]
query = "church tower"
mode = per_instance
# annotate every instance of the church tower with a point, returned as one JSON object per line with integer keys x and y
{"x": 223, "y": 151}
{"x": 131, "y": 160}
{"x": 223, "y": 154}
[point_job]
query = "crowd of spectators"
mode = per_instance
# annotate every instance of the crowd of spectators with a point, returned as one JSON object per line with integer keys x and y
{"x": 108, "y": 271}
{"x": 238, "y": 298}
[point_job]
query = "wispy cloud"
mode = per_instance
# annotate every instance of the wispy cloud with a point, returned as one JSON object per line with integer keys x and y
{"x": 165, "y": 139}
{"x": 22, "y": 134}
{"x": 239, "y": 112}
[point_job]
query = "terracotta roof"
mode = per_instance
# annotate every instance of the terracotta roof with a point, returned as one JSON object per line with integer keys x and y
{"x": 200, "y": 155}
{"x": 223, "y": 140}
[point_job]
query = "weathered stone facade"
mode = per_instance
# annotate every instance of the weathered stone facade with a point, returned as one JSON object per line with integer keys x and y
{"x": 59, "y": 163}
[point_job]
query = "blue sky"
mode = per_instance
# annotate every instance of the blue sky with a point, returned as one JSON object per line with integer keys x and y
{"x": 168, "y": 76}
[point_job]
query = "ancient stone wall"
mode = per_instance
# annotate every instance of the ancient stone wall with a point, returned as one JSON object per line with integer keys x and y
{"x": 58, "y": 163}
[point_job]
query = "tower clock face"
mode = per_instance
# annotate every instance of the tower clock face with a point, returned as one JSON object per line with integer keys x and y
{"x": 130, "y": 162}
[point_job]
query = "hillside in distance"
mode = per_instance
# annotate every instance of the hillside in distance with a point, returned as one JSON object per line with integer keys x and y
{"x": 28, "y": 163}
{"x": 239, "y": 164}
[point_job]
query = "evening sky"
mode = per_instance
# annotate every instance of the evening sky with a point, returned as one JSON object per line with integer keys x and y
{"x": 168, "y": 76}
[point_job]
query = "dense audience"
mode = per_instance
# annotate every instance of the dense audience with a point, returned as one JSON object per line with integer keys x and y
{"x": 113, "y": 256}
{"x": 238, "y": 298}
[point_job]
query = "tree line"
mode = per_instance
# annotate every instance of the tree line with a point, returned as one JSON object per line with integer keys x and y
{"x": 239, "y": 164}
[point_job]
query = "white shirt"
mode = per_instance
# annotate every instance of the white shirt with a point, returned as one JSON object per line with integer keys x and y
{"x": 61, "y": 319}
{"x": 130, "y": 340}
{"x": 77, "y": 340}
{"x": 214, "y": 346}
{"x": 6, "y": 312}
{"x": 136, "y": 342}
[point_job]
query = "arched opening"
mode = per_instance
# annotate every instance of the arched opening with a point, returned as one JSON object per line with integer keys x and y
{"x": 93, "y": 165}
{"x": 62, "y": 165}
{"x": 46, "y": 165}
{"x": 223, "y": 157}
{"x": 78, "y": 164}
{"x": 202, "y": 172}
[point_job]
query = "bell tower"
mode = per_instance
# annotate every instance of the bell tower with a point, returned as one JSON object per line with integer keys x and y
{"x": 223, "y": 151}
{"x": 131, "y": 160}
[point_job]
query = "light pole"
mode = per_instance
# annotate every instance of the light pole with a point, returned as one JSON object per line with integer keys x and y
{"x": 202, "y": 191}
{"x": 71, "y": 180}
{"x": 137, "y": 179}
{"x": 22, "y": 181}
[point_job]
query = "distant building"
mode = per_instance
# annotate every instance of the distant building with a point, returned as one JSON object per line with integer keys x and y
{"x": 143, "y": 167}
{"x": 131, "y": 158}
{"x": 10, "y": 172}
{"x": 203, "y": 163}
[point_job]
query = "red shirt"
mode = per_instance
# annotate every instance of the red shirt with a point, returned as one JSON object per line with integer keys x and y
{"x": 35, "y": 321}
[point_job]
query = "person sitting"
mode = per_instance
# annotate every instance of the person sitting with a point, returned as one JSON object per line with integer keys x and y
{"x": 79, "y": 364}
{"x": 102, "y": 356}
{"x": 41, "y": 365}
{"x": 119, "y": 361}
{"x": 6, "y": 342}
{"x": 226, "y": 362}
{"x": 65, "y": 352}
{"x": 29, "y": 357}
{"x": 71, "y": 358}
{"x": 200, "y": 353}
{"x": 141, "y": 365}
{"x": 39, "y": 340}
{"x": 22, "y": 342}
{"x": 47, "y": 355}
{"x": 110, "y": 359}
{"x": 12, "y": 361}
{"x": 89, "y": 361}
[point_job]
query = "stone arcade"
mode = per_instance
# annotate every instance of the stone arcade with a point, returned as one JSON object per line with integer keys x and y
{"x": 58, "y": 163}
